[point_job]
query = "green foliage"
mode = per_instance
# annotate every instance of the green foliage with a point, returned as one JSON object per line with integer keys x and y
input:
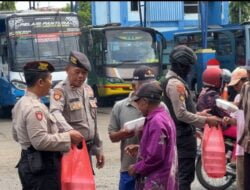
{"x": 67, "y": 8}
{"x": 84, "y": 12}
{"x": 239, "y": 11}
{"x": 7, "y": 6}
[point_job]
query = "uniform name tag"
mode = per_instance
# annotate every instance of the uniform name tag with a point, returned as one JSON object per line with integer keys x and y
{"x": 75, "y": 106}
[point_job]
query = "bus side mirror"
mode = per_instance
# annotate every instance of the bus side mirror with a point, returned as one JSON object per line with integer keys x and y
{"x": 1, "y": 49}
{"x": 163, "y": 40}
{"x": 164, "y": 43}
{"x": 90, "y": 44}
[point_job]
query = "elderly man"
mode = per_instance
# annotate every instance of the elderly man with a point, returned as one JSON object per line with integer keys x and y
{"x": 156, "y": 167}
{"x": 73, "y": 104}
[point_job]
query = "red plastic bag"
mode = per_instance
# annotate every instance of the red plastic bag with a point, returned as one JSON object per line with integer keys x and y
{"x": 213, "y": 152}
{"x": 76, "y": 170}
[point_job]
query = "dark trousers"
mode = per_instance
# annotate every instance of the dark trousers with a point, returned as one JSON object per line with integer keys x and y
{"x": 186, "y": 147}
{"x": 246, "y": 171}
{"x": 186, "y": 172}
{"x": 48, "y": 178}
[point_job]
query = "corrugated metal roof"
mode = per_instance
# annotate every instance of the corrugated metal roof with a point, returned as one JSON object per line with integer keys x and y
{"x": 165, "y": 10}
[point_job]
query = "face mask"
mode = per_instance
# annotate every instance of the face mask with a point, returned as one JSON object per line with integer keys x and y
{"x": 181, "y": 70}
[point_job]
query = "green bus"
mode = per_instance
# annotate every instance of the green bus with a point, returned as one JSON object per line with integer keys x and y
{"x": 114, "y": 53}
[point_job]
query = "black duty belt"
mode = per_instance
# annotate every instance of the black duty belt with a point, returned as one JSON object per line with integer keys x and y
{"x": 89, "y": 144}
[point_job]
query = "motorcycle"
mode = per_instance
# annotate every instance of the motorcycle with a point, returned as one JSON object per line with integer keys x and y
{"x": 215, "y": 183}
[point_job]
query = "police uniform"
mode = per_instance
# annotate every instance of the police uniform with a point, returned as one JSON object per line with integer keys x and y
{"x": 34, "y": 128}
{"x": 76, "y": 107}
{"x": 179, "y": 101}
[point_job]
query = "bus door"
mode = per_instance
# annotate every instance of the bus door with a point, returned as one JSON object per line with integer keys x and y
{"x": 3, "y": 58}
{"x": 225, "y": 49}
{"x": 5, "y": 85}
{"x": 95, "y": 53}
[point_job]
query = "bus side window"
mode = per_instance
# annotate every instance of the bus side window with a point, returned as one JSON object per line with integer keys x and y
{"x": 3, "y": 54}
{"x": 211, "y": 40}
{"x": 223, "y": 45}
{"x": 240, "y": 47}
{"x": 4, "y": 51}
{"x": 240, "y": 53}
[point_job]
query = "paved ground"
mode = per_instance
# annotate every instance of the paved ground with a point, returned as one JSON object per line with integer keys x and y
{"x": 106, "y": 178}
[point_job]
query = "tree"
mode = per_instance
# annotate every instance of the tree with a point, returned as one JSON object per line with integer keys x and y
{"x": 84, "y": 12}
{"x": 7, "y": 6}
{"x": 239, "y": 11}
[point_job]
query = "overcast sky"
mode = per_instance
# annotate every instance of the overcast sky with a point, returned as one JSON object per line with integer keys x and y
{"x": 24, "y": 5}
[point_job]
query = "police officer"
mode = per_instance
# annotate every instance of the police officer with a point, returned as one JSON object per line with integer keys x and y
{"x": 182, "y": 109}
{"x": 36, "y": 131}
{"x": 73, "y": 104}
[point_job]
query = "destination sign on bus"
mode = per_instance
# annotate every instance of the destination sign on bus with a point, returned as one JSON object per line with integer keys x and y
{"x": 43, "y": 24}
{"x": 130, "y": 36}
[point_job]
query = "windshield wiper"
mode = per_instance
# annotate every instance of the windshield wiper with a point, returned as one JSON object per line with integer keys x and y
{"x": 122, "y": 62}
{"x": 128, "y": 60}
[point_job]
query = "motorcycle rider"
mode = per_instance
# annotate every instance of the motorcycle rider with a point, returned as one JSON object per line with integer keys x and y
{"x": 214, "y": 80}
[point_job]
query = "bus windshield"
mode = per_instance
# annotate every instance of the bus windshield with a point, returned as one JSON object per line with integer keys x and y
{"x": 133, "y": 46}
{"x": 47, "y": 37}
{"x": 45, "y": 47}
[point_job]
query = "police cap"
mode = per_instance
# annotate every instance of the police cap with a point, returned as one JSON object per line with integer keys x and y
{"x": 151, "y": 90}
{"x": 143, "y": 73}
{"x": 80, "y": 60}
{"x": 38, "y": 66}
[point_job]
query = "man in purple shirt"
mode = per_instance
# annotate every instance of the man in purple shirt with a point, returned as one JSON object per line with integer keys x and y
{"x": 156, "y": 167}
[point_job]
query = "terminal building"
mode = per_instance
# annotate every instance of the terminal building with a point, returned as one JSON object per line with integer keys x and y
{"x": 160, "y": 15}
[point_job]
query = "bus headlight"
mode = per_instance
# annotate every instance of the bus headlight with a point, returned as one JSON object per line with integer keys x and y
{"x": 20, "y": 85}
{"x": 114, "y": 80}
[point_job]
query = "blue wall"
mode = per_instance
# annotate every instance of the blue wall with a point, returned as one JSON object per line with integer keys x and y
{"x": 161, "y": 15}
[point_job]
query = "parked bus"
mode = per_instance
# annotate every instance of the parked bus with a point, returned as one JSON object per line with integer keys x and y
{"x": 27, "y": 36}
{"x": 115, "y": 52}
{"x": 231, "y": 43}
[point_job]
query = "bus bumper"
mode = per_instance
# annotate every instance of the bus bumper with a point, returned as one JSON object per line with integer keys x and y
{"x": 114, "y": 89}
